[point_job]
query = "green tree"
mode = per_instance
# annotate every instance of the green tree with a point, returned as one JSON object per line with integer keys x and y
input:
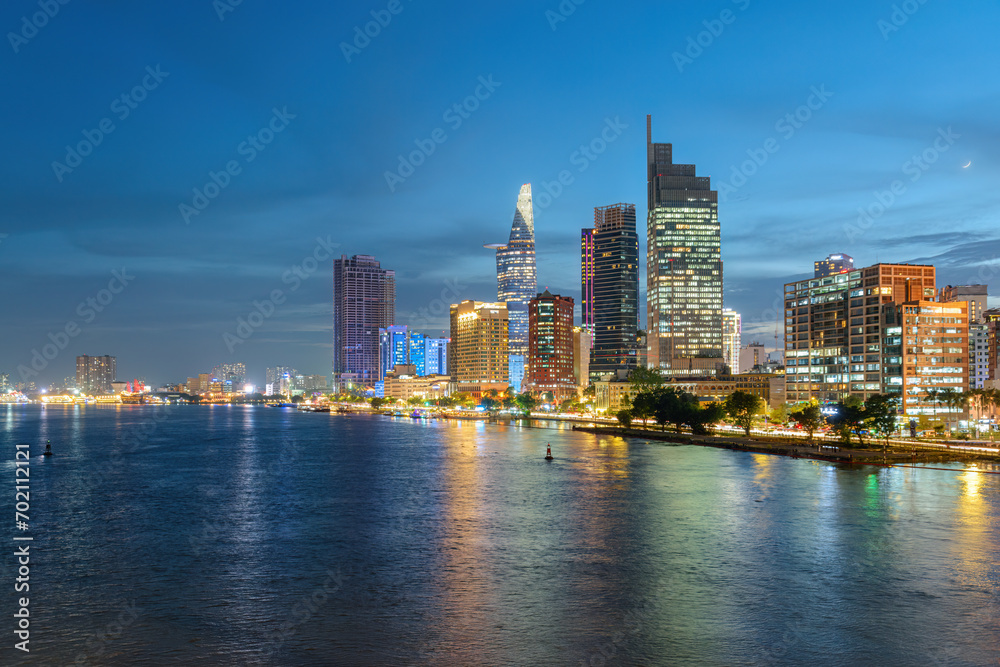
{"x": 490, "y": 404}
{"x": 811, "y": 418}
{"x": 378, "y": 402}
{"x": 645, "y": 380}
{"x": 624, "y": 418}
{"x": 880, "y": 414}
{"x": 415, "y": 401}
{"x": 526, "y": 402}
{"x": 712, "y": 413}
{"x": 849, "y": 418}
{"x": 644, "y": 406}
{"x": 742, "y": 407}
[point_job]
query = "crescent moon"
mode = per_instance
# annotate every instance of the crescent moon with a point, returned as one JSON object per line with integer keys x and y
{"x": 966, "y": 166}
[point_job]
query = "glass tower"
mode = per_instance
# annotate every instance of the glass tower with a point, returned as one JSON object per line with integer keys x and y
{"x": 684, "y": 265}
{"x": 517, "y": 281}
{"x": 615, "y": 289}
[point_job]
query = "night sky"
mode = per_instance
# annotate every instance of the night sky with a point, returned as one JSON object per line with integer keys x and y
{"x": 308, "y": 118}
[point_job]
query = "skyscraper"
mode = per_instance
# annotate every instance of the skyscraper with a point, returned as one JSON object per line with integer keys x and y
{"x": 550, "y": 346}
{"x": 94, "y": 375}
{"x": 364, "y": 301}
{"x": 418, "y": 353}
{"x": 587, "y": 277}
{"x": 684, "y": 266}
{"x": 732, "y": 338}
{"x": 517, "y": 281}
{"x": 393, "y": 348}
{"x": 615, "y": 300}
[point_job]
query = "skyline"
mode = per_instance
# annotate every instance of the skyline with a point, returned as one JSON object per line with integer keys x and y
{"x": 320, "y": 181}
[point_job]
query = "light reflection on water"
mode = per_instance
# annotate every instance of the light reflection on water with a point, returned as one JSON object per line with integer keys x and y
{"x": 455, "y": 543}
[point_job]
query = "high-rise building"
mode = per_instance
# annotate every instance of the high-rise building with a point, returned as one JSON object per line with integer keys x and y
{"x": 94, "y": 375}
{"x": 615, "y": 289}
{"x": 732, "y": 338}
{"x": 976, "y": 295}
{"x": 550, "y": 346}
{"x": 4, "y": 382}
{"x": 925, "y": 348}
{"x": 587, "y": 277}
{"x": 833, "y": 264}
{"x": 517, "y": 281}
{"x": 418, "y": 353}
{"x": 834, "y": 330}
{"x": 979, "y": 354}
{"x": 582, "y": 343}
{"x": 683, "y": 266}
{"x": 436, "y": 355}
{"x": 364, "y": 301}
{"x": 477, "y": 354}
{"x": 393, "y": 348}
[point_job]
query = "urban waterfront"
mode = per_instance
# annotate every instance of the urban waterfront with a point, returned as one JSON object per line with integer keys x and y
{"x": 252, "y": 535}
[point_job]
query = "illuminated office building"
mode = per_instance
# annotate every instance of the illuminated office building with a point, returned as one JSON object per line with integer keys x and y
{"x": 587, "y": 277}
{"x": 550, "y": 346}
{"x": 683, "y": 266}
{"x": 732, "y": 338}
{"x": 436, "y": 356}
{"x": 833, "y": 264}
{"x": 364, "y": 301}
{"x": 835, "y": 326}
{"x": 615, "y": 289}
{"x": 517, "y": 281}
{"x": 478, "y": 352}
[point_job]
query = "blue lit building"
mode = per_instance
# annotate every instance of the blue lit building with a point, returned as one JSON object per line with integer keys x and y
{"x": 436, "y": 355}
{"x": 393, "y": 348}
{"x": 417, "y": 352}
{"x": 517, "y": 281}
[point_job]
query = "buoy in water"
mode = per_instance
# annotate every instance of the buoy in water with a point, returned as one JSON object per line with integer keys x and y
{"x": 548, "y": 453}
{"x": 48, "y": 448}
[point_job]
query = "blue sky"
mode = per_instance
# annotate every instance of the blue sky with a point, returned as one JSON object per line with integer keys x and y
{"x": 888, "y": 95}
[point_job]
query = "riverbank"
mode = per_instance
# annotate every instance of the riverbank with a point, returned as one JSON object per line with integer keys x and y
{"x": 822, "y": 451}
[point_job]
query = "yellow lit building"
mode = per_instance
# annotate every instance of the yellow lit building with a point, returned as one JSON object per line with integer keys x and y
{"x": 478, "y": 353}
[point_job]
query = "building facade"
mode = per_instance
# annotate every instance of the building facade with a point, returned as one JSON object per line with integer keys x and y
{"x": 517, "y": 281}
{"x": 436, "y": 356}
{"x": 364, "y": 301}
{"x": 478, "y": 352}
{"x": 550, "y": 347}
{"x": 587, "y": 277}
{"x": 393, "y": 347}
{"x": 582, "y": 341}
{"x": 751, "y": 356}
{"x": 732, "y": 338}
{"x": 94, "y": 375}
{"x": 975, "y": 295}
{"x": 933, "y": 348}
{"x": 615, "y": 289}
{"x": 683, "y": 264}
{"x": 834, "y": 329}
{"x": 832, "y": 265}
